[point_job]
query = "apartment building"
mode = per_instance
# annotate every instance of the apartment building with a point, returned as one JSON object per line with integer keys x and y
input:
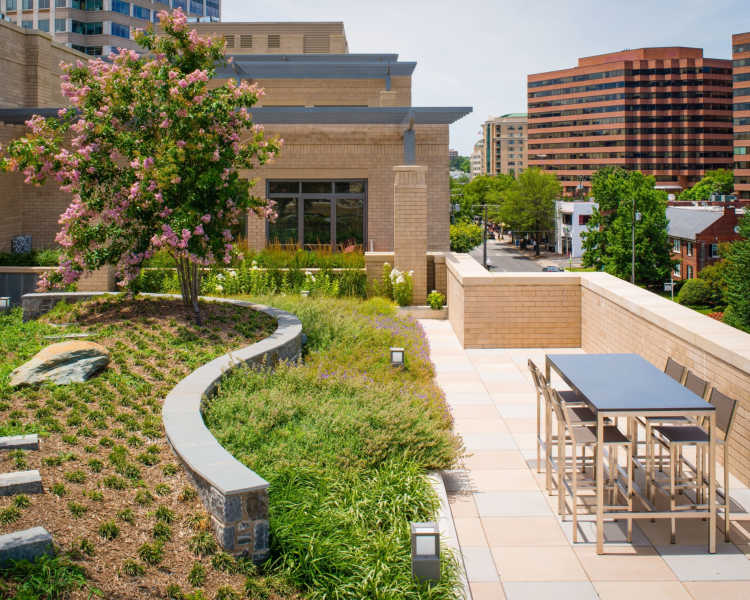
{"x": 477, "y": 159}
{"x": 347, "y": 121}
{"x": 664, "y": 111}
{"x": 96, "y": 27}
{"x": 741, "y": 76}
{"x": 505, "y": 144}
{"x": 695, "y": 234}
{"x": 571, "y": 220}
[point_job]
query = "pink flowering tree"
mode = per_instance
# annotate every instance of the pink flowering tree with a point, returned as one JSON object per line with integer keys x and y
{"x": 150, "y": 152}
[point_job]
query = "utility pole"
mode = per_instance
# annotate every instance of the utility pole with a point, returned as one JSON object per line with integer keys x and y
{"x": 484, "y": 239}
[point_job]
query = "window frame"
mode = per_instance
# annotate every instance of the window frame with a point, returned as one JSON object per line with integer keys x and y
{"x": 676, "y": 246}
{"x": 332, "y": 197}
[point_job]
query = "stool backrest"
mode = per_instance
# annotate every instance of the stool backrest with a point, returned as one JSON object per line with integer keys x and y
{"x": 536, "y": 375}
{"x": 696, "y": 385}
{"x": 675, "y": 370}
{"x": 725, "y": 411}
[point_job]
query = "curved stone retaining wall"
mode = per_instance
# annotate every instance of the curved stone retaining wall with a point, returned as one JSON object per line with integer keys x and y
{"x": 235, "y": 496}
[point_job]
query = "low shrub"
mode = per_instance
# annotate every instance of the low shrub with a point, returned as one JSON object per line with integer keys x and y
{"x": 695, "y": 293}
{"x": 109, "y": 530}
{"x": 35, "y": 258}
{"x": 435, "y": 300}
{"x": 465, "y": 236}
{"x": 47, "y": 577}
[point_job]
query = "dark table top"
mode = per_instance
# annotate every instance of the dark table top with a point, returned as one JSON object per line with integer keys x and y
{"x": 624, "y": 382}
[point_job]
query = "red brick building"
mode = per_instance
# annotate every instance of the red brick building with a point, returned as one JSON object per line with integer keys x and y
{"x": 695, "y": 234}
{"x": 741, "y": 67}
{"x": 664, "y": 111}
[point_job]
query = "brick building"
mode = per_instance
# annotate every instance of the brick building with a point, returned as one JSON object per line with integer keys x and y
{"x": 741, "y": 76}
{"x": 664, "y": 111}
{"x": 695, "y": 234}
{"x": 96, "y": 27}
{"x": 346, "y": 119}
{"x": 504, "y": 144}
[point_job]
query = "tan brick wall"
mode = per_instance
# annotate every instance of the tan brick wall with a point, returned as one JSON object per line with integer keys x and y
{"x": 29, "y": 69}
{"x": 101, "y": 280}
{"x": 410, "y": 233}
{"x": 291, "y": 36}
{"x": 512, "y": 310}
{"x": 374, "y": 262}
{"x": 28, "y": 209}
{"x": 366, "y": 152}
{"x": 333, "y": 92}
{"x": 620, "y": 318}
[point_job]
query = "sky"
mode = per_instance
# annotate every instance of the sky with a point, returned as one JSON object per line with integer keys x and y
{"x": 478, "y": 53}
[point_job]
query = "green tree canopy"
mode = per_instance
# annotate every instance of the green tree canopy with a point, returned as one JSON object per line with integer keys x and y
{"x": 484, "y": 189}
{"x": 737, "y": 278}
{"x": 529, "y": 203}
{"x": 720, "y": 181}
{"x": 607, "y": 241}
{"x": 461, "y": 163}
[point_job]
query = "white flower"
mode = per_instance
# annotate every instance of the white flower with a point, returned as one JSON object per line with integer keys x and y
{"x": 386, "y": 264}
{"x": 220, "y": 277}
{"x": 233, "y": 273}
{"x": 254, "y": 263}
{"x": 400, "y": 279}
{"x": 219, "y": 288}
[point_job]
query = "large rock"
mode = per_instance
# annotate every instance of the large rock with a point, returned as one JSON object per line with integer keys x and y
{"x": 66, "y": 362}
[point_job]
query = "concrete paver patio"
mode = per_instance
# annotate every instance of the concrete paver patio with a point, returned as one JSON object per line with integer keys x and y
{"x": 514, "y": 545}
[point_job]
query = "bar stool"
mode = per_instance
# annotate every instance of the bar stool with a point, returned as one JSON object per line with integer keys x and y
{"x": 585, "y": 435}
{"x": 673, "y": 438}
{"x": 569, "y": 398}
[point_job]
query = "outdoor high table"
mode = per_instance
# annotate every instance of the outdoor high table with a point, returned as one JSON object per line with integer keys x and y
{"x": 627, "y": 385}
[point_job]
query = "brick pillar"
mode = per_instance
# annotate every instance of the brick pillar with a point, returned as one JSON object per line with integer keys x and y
{"x": 256, "y": 231}
{"x": 101, "y": 280}
{"x": 410, "y": 225}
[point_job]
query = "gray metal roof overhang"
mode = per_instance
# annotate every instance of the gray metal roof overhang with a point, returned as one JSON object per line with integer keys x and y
{"x": 318, "y": 115}
{"x": 311, "y": 66}
{"x": 375, "y": 115}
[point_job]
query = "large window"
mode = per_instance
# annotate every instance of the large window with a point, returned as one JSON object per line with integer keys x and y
{"x": 196, "y": 7}
{"x": 121, "y": 7}
{"x": 314, "y": 214}
{"x": 122, "y": 31}
{"x": 10, "y": 5}
{"x": 28, "y": 5}
{"x": 141, "y": 13}
{"x": 43, "y": 25}
{"x": 87, "y": 28}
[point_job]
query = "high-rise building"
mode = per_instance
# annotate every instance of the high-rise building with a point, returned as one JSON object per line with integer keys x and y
{"x": 505, "y": 144}
{"x": 664, "y": 111}
{"x": 96, "y": 27}
{"x": 477, "y": 159}
{"x": 452, "y": 154}
{"x": 741, "y": 70}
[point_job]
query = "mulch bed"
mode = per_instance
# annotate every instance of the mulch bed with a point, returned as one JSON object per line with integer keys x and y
{"x": 115, "y": 419}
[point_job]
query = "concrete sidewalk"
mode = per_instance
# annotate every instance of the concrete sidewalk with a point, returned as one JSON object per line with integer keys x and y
{"x": 513, "y": 543}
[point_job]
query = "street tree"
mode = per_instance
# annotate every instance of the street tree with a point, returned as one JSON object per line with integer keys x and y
{"x": 483, "y": 189}
{"x": 153, "y": 160}
{"x": 737, "y": 279}
{"x": 719, "y": 181}
{"x": 607, "y": 241}
{"x": 529, "y": 203}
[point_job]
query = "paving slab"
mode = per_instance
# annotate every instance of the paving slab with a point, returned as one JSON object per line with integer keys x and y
{"x": 20, "y": 442}
{"x": 28, "y": 544}
{"x": 512, "y": 504}
{"x": 692, "y": 563}
{"x": 548, "y": 590}
{"x": 20, "y": 482}
{"x": 479, "y": 563}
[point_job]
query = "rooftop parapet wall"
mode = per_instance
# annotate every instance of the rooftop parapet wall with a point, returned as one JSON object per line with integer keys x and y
{"x": 601, "y": 314}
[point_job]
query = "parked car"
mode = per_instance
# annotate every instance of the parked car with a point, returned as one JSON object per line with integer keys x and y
{"x": 553, "y": 269}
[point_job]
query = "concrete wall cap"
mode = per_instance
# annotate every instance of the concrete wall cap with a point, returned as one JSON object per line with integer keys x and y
{"x": 181, "y": 412}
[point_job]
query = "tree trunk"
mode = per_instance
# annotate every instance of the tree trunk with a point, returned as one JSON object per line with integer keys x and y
{"x": 190, "y": 285}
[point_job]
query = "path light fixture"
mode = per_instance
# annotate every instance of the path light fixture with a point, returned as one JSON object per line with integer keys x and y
{"x": 425, "y": 552}
{"x": 397, "y": 357}
{"x": 4, "y": 305}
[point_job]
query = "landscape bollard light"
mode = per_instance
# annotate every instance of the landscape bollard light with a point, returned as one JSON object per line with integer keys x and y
{"x": 397, "y": 357}
{"x": 425, "y": 552}
{"x": 4, "y": 305}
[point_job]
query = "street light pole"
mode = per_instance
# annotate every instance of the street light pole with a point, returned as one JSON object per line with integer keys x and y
{"x": 484, "y": 238}
{"x": 632, "y": 262}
